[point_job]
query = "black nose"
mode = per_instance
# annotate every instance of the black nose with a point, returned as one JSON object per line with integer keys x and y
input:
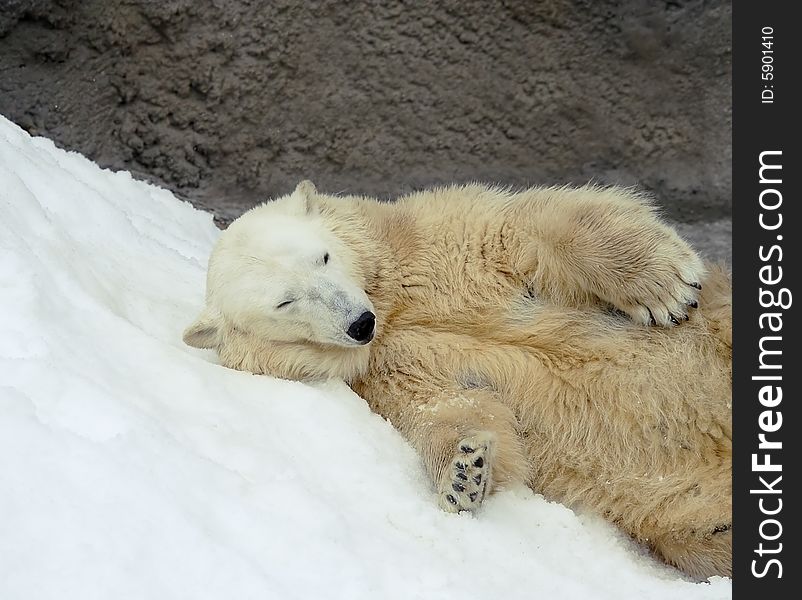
{"x": 362, "y": 329}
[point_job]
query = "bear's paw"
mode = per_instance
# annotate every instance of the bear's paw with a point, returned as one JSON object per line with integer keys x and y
{"x": 467, "y": 476}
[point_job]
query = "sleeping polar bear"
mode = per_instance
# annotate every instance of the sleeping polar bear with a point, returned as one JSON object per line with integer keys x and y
{"x": 507, "y": 336}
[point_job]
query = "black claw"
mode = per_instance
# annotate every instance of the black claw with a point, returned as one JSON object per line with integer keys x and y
{"x": 685, "y": 317}
{"x": 479, "y": 462}
{"x": 473, "y": 496}
{"x": 462, "y": 476}
{"x": 457, "y": 487}
{"x": 693, "y": 304}
{"x": 673, "y": 319}
{"x": 467, "y": 449}
{"x": 696, "y": 285}
{"x": 459, "y": 465}
{"x": 478, "y": 479}
{"x": 451, "y": 499}
{"x": 651, "y": 318}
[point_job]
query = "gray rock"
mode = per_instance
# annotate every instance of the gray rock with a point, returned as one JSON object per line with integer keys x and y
{"x": 712, "y": 239}
{"x": 228, "y": 103}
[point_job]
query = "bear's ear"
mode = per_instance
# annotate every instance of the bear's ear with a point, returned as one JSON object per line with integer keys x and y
{"x": 306, "y": 188}
{"x": 303, "y": 201}
{"x": 306, "y": 195}
{"x": 205, "y": 331}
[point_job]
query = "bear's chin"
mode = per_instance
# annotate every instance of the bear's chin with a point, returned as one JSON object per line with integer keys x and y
{"x": 339, "y": 346}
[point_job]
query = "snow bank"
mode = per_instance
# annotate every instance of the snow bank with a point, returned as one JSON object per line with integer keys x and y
{"x": 132, "y": 466}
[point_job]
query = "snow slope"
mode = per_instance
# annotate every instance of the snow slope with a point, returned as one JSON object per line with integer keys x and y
{"x": 132, "y": 466}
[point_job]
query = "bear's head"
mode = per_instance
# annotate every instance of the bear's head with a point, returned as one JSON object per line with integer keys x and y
{"x": 285, "y": 295}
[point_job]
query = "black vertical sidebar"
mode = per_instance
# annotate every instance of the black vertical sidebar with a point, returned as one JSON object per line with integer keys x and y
{"x": 767, "y": 438}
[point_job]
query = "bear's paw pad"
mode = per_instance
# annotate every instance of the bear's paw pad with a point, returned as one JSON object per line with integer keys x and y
{"x": 467, "y": 476}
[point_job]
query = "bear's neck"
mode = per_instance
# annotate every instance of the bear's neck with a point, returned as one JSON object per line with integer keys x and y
{"x": 385, "y": 240}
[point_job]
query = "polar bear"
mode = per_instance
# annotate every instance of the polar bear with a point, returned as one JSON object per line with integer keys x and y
{"x": 564, "y": 337}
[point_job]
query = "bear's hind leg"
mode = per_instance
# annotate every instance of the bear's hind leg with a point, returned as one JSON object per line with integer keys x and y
{"x": 700, "y": 555}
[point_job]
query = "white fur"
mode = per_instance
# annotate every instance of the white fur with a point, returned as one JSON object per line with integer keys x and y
{"x": 276, "y": 255}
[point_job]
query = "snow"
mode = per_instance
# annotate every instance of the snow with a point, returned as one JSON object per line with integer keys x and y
{"x": 132, "y": 466}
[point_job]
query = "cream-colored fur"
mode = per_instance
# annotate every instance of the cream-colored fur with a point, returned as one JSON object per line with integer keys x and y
{"x": 514, "y": 327}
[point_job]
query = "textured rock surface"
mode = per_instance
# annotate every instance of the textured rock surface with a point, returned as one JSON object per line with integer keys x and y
{"x": 229, "y": 102}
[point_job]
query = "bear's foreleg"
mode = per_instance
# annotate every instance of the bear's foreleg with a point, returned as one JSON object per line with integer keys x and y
{"x": 466, "y": 478}
{"x": 589, "y": 244}
{"x": 469, "y": 444}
